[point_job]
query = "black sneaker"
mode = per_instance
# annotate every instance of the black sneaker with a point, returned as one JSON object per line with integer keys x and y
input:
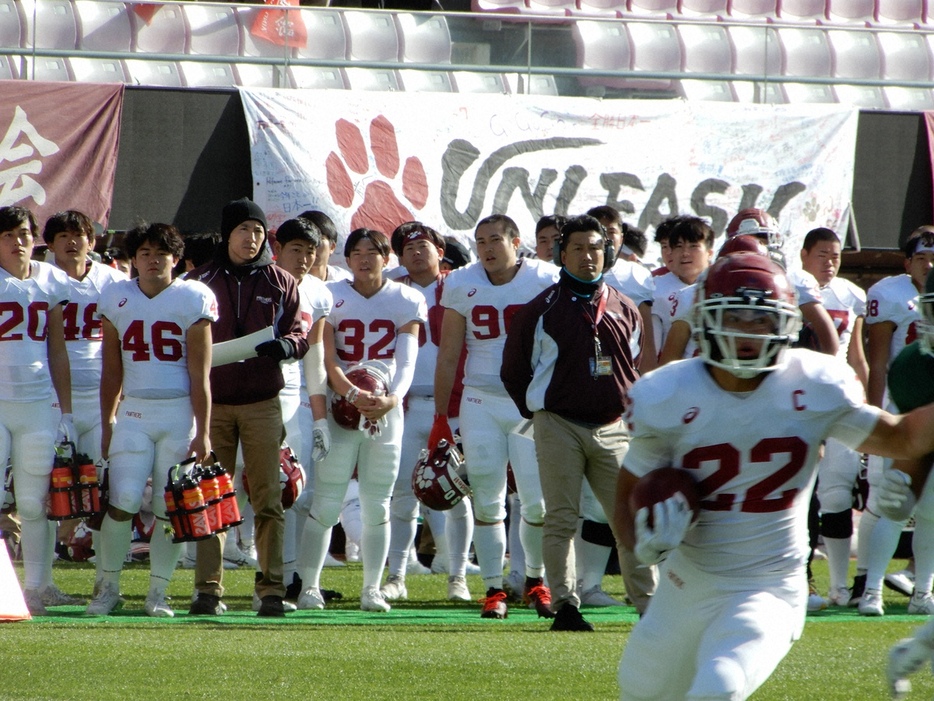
{"x": 859, "y": 586}
{"x": 569, "y": 618}
{"x": 206, "y": 605}
{"x": 330, "y": 595}
{"x": 294, "y": 590}
{"x": 271, "y": 607}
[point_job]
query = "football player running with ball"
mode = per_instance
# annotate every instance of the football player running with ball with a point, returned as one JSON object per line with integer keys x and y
{"x": 732, "y": 595}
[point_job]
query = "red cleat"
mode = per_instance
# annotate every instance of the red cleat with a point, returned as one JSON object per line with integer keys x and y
{"x": 494, "y": 605}
{"x": 538, "y": 597}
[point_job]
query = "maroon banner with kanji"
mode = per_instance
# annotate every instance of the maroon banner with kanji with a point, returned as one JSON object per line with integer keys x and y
{"x": 58, "y": 146}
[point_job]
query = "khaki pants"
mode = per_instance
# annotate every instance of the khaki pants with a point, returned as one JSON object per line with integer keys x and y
{"x": 257, "y": 429}
{"x": 567, "y": 454}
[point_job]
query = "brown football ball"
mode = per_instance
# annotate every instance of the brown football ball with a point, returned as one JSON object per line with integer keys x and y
{"x": 658, "y": 485}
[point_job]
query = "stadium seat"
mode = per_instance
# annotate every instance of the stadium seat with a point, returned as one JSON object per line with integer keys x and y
{"x": 256, "y": 76}
{"x": 371, "y": 36}
{"x": 165, "y": 33}
{"x": 213, "y": 30}
{"x": 8, "y": 67}
{"x": 47, "y": 68}
{"x": 602, "y": 46}
{"x": 706, "y": 49}
{"x": 373, "y": 79}
{"x": 104, "y": 26}
{"x": 561, "y": 8}
{"x": 806, "y": 54}
{"x": 851, "y": 11}
{"x": 909, "y": 99}
{"x": 505, "y": 6}
{"x": 602, "y": 8}
{"x": 653, "y": 8}
{"x": 426, "y": 81}
{"x": 423, "y": 39}
{"x": 807, "y": 11}
{"x": 317, "y": 77}
{"x": 756, "y": 56}
{"x": 856, "y": 55}
{"x": 98, "y": 70}
{"x": 535, "y": 85}
{"x": 251, "y": 45}
{"x": 711, "y": 9}
{"x": 469, "y": 82}
{"x": 655, "y": 48}
{"x": 55, "y": 26}
{"x": 753, "y": 9}
{"x": 327, "y": 35}
{"x": 907, "y": 12}
{"x": 906, "y": 56}
{"x": 198, "y": 74}
{"x": 159, "y": 73}
{"x": 11, "y": 26}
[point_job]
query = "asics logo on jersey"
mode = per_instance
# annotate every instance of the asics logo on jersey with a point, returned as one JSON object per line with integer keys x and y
{"x": 122, "y": 302}
{"x": 472, "y": 292}
{"x": 264, "y": 300}
{"x": 690, "y": 414}
{"x": 339, "y": 303}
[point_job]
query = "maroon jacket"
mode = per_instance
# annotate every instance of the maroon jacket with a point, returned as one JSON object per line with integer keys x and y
{"x": 251, "y": 297}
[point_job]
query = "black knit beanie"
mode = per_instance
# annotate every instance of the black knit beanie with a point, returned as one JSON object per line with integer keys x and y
{"x": 239, "y": 211}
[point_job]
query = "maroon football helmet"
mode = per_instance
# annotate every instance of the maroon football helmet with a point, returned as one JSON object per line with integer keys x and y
{"x": 756, "y": 222}
{"x": 745, "y": 298}
{"x": 436, "y": 480}
{"x": 291, "y": 477}
{"x": 370, "y": 376}
{"x": 742, "y": 243}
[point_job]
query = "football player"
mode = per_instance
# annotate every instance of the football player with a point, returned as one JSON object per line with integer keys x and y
{"x": 892, "y": 316}
{"x": 33, "y": 365}
{"x": 321, "y": 268}
{"x": 374, "y": 323}
{"x": 303, "y": 398}
{"x": 479, "y": 301}
{"x": 155, "y": 401}
{"x": 732, "y": 596}
{"x": 420, "y": 249}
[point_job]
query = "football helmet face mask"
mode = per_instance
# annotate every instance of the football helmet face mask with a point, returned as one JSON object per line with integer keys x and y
{"x": 370, "y": 376}
{"x": 925, "y": 325}
{"x": 437, "y": 479}
{"x": 745, "y": 315}
{"x": 759, "y": 223}
{"x": 291, "y": 477}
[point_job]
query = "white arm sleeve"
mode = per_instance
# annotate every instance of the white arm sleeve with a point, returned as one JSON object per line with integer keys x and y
{"x": 406, "y": 352}
{"x": 316, "y": 379}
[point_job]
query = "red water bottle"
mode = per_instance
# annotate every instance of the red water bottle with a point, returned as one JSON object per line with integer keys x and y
{"x": 194, "y": 509}
{"x": 230, "y": 511}
{"x": 60, "y": 490}
{"x": 89, "y": 487}
{"x": 210, "y": 489}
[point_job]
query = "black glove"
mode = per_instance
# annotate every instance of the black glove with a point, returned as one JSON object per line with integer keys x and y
{"x": 277, "y": 349}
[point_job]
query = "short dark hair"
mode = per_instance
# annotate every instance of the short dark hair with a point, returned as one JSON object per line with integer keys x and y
{"x": 555, "y": 220}
{"x": 114, "y": 253}
{"x": 300, "y": 229}
{"x": 163, "y": 236}
{"x": 377, "y": 238}
{"x": 583, "y": 222}
{"x": 509, "y": 226}
{"x": 200, "y": 248}
{"x": 634, "y": 239}
{"x": 663, "y": 230}
{"x": 14, "y": 216}
{"x": 605, "y": 211}
{"x": 692, "y": 230}
{"x": 324, "y": 223}
{"x": 69, "y": 220}
{"x": 922, "y": 233}
{"x": 815, "y": 236}
{"x": 404, "y": 231}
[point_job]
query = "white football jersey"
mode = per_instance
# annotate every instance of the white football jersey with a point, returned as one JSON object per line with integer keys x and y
{"x": 153, "y": 333}
{"x": 683, "y": 310}
{"x": 754, "y": 455}
{"x": 314, "y": 301}
{"x": 667, "y": 287}
{"x": 429, "y": 337}
{"x": 337, "y": 273}
{"x": 24, "y": 306}
{"x": 633, "y": 280}
{"x": 806, "y": 288}
{"x": 365, "y": 328}
{"x": 83, "y": 334}
{"x": 895, "y": 299}
{"x": 845, "y": 302}
{"x": 488, "y": 309}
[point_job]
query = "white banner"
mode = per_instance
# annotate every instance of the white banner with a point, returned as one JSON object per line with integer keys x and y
{"x": 379, "y": 159}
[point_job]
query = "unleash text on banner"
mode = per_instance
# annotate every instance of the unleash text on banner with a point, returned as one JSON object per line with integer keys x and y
{"x": 58, "y": 146}
{"x": 449, "y": 160}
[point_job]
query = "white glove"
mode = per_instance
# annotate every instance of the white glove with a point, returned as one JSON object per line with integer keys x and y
{"x": 671, "y": 519}
{"x": 66, "y": 430}
{"x": 321, "y": 437}
{"x": 894, "y": 497}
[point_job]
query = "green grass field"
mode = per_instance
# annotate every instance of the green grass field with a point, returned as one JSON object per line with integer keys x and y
{"x": 426, "y": 648}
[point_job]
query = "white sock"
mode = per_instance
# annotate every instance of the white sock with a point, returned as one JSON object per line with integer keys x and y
{"x": 459, "y": 531}
{"x": 310, "y": 561}
{"x": 374, "y": 546}
{"x": 867, "y": 523}
{"x": 591, "y": 562}
{"x": 401, "y": 536}
{"x": 531, "y": 536}
{"x": 46, "y": 578}
{"x": 516, "y": 553}
{"x": 437, "y": 522}
{"x": 115, "y": 543}
{"x": 923, "y": 547}
{"x": 163, "y": 555}
{"x": 34, "y": 541}
{"x": 490, "y": 542}
{"x": 838, "y": 560}
{"x": 884, "y": 541}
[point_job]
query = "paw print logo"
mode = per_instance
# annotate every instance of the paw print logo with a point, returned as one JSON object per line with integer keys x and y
{"x": 348, "y": 170}
{"x": 425, "y": 477}
{"x": 811, "y": 209}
